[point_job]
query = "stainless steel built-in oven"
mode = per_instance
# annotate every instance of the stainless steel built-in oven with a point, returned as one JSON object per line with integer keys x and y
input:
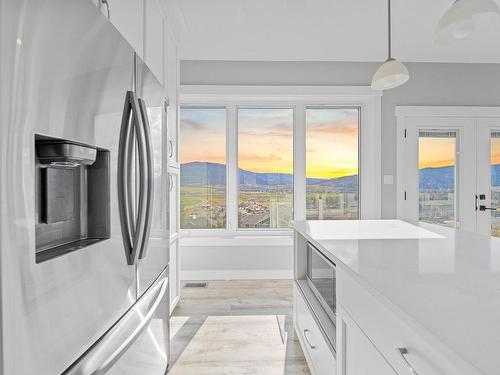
{"x": 321, "y": 277}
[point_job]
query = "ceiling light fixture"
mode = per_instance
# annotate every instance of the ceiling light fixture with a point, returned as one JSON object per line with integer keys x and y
{"x": 391, "y": 73}
{"x": 458, "y": 21}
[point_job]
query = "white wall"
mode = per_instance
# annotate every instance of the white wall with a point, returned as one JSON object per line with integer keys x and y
{"x": 430, "y": 84}
{"x": 236, "y": 262}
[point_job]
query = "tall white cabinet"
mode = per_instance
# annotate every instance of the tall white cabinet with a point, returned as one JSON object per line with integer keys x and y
{"x": 151, "y": 27}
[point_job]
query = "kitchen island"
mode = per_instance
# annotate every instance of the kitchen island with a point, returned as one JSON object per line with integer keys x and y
{"x": 407, "y": 299}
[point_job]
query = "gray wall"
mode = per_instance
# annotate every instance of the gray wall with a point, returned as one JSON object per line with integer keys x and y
{"x": 430, "y": 84}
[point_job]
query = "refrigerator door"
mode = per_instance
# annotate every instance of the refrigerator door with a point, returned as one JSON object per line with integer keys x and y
{"x": 137, "y": 343}
{"x": 154, "y": 254}
{"x": 65, "y": 72}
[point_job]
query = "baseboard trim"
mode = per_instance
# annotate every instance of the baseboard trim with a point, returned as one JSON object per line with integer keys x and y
{"x": 237, "y": 275}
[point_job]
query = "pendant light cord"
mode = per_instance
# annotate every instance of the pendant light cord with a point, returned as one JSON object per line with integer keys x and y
{"x": 389, "y": 49}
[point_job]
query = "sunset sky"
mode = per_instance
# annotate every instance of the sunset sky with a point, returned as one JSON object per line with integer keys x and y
{"x": 265, "y": 139}
{"x": 495, "y": 150}
{"x": 331, "y": 142}
{"x": 203, "y": 135}
{"x": 436, "y": 152}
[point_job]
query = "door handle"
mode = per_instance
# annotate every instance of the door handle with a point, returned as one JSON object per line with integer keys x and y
{"x": 484, "y": 208}
{"x": 148, "y": 154}
{"x": 130, "y": 119}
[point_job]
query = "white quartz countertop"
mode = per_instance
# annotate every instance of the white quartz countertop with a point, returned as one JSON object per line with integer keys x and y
{"x": 442, "y": 281}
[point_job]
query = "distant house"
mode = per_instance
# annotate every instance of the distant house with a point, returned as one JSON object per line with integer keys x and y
{"x": 261, "y": 220}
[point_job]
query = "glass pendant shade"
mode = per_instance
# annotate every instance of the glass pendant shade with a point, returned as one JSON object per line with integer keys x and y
{"x": 391, "y": 74}
{"x": 458, "y": 21}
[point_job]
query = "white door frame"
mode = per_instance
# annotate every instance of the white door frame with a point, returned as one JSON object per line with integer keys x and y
{"x": 465, "y": 120}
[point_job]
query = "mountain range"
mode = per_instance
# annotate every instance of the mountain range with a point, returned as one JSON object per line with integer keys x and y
{"x": 443, "y": 178}
{"x": 203, "y": 173}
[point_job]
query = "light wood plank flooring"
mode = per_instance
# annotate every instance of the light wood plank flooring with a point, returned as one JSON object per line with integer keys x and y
{"x": 236, "y": 327}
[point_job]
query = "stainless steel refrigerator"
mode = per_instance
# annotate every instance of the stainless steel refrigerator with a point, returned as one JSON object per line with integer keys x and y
{"x": 84, "y": 229}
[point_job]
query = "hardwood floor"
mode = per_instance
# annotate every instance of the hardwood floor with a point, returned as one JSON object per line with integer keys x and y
{"x": 236, "y": 327}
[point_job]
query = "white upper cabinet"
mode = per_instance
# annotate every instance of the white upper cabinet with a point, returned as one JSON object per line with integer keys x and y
{"x": 127, "y": 17}
{"x": 172, "y": 84}
{"x": 153, "y": 37}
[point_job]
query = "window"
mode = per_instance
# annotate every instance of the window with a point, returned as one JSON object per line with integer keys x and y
{"x": 265, "y": 165}
{"x": 437, "y": 177}
{"x": 332, "y": 163}
{"x": 203, "y": 168}
{"x": 255, "y": 158}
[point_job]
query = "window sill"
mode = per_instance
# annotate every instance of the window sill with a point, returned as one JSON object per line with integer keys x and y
{"x": 241, "y": 238}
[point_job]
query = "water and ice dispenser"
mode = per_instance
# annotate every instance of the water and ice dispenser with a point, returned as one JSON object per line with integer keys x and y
{"x": 72, "y": 196}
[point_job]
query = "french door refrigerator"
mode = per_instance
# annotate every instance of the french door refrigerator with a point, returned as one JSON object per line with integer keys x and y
{"x": 83, "y": 196}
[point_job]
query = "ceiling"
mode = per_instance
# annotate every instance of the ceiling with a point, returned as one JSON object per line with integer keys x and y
{"x": 326, "y": 30}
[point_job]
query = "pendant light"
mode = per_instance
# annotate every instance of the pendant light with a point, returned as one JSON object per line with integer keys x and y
{"x": 391, "y": 73}
{"x": 458, "y": 22}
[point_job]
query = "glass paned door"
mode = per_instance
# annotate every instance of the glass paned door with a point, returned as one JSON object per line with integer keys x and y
{"x": 495, "y": 182}
{"x": 438, "y": 175}
{"x": 488, "y": 177}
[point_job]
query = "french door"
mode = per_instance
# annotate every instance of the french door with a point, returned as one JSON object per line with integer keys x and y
{"x": 488, "y": 176}
{"x": 449, "y": 171}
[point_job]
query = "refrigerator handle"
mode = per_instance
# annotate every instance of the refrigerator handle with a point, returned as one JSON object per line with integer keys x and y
{"x": 144, "y": 182}
{"x": 108, "y": 349}
{"x": 150, "y": 179}
{"x": 125, "y": 151}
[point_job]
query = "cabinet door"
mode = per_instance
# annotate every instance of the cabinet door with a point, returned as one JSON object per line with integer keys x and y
{"x": 360, "y": 357}
{"x": 127, "y": 17}
{"x": 320, "y": 358}
{"x": 174, "y": 273}
{"x": 172, "y": 87}
{"x": 174, "y": 202}
{"x": 153, "y": 37}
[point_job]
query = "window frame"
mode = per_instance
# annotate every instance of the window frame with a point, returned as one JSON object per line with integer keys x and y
{"x": 297, "y": 98}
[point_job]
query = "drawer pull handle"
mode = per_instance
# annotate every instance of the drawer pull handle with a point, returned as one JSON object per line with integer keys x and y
{"x": 402, "y": 352}
{"x": 306, "y": 331}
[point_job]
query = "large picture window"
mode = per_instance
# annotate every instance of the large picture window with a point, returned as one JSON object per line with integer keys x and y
{"x": 203, "y": 168}
{"x": 332, "y": 163}
{"x": 253, "y": 159}
{"x": 265, "y": 165}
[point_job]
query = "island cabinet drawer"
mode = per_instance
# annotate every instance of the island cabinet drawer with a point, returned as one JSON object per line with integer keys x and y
{"x": 402, "y": 347}
{"x": 320, "y": 358}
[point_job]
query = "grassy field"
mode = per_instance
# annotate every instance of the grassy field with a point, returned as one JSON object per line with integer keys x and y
{"x": 202, "y": 207}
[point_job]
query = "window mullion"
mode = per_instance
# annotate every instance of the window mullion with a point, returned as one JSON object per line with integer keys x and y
{"x": 232, "y": 169}
{"x": 299, "y": 163}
